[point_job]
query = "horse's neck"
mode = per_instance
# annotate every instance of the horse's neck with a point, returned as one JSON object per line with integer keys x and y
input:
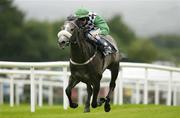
{"x": 81, "y": 51}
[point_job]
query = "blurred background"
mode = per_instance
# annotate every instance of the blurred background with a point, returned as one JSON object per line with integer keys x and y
{"x": 146, "y": 30}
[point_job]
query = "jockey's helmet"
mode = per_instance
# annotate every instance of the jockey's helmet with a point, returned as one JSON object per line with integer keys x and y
{"x": 81, "y": 13}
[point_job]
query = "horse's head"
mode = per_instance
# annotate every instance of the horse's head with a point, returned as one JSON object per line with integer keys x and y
{"x": 65, "y": 34}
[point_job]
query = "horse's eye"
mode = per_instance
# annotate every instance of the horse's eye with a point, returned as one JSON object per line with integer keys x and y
{"x": 72, "y": 29}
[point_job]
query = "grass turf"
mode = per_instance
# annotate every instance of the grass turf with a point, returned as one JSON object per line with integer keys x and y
{"x": 123, "y": 111}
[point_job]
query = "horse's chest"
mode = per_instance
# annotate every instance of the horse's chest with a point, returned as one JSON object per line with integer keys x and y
{"x": 82, "y": 74}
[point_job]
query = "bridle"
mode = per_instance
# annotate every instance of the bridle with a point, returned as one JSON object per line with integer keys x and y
{"x": 68, "y": 35}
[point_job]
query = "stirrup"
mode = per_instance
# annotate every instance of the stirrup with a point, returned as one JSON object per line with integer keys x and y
{"x": 107, "y": 51}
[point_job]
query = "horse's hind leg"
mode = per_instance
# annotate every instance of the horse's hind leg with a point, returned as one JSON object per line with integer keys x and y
{"x": 87, "y": 105}
{"x": 114, "y": 73}
{"x": 72, "y": 83}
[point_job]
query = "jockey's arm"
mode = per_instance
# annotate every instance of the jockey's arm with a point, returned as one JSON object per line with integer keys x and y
{"x": 102, "y": 25}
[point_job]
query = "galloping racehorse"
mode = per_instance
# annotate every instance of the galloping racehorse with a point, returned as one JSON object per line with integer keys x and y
{"x": 87, "y": 65}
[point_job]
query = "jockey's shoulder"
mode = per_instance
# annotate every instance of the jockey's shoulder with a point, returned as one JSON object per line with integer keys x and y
{"x": 99, "y": 19}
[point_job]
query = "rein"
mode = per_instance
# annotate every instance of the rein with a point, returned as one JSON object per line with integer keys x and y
{"x": 68, "y": 35}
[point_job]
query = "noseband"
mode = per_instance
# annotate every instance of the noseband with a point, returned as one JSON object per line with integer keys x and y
{"x": 67, "y": 34}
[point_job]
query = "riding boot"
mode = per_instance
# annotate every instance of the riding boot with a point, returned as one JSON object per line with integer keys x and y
{"x": 104, "y": 46}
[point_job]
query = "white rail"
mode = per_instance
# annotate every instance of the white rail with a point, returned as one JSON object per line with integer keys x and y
{"x": 127, "y": 73}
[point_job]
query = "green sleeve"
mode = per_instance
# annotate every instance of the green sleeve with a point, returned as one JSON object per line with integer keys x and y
{"x": 101, "y": 23}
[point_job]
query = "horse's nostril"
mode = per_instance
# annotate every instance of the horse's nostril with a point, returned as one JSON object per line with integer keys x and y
{"x": 63, "y": 42}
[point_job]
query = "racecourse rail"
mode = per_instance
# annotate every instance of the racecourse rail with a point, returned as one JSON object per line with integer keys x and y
{"x": 138, "y": 76}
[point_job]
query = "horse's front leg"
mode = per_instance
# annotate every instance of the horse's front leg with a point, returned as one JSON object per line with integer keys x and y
{"x": 72, "y": 83}
{"x": 96, "y": 87}
{"x": 87, "y": 104}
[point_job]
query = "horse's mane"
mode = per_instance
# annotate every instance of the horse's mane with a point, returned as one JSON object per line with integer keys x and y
{"x": 80, "y": 34}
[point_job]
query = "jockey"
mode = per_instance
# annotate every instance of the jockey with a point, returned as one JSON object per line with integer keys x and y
{"x": 96, "y": 29}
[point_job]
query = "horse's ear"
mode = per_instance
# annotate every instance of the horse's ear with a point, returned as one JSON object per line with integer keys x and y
{"x": 71, "y": 18}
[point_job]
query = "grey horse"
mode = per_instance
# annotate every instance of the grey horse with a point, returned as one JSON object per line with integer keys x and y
{"x": 87, "y": 65}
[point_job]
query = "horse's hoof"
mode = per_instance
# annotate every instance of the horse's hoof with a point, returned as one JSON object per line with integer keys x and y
{"x": 107, "y": 107}
{"x": 73, "y": 105}
{"x": 100, "y": 101}
{"x": 94, "y": 105}
{"x": 86, "y": 110}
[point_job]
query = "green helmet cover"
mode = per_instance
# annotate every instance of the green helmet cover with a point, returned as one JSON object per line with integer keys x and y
{"x": 81, "y": 13}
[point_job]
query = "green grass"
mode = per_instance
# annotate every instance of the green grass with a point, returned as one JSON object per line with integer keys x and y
{"x": 124, "y": 111}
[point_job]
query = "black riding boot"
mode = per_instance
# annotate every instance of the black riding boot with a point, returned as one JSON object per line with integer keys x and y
{"x": 103, "y": 45}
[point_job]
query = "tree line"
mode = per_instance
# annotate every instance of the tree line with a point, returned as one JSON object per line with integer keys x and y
{"x": 33, "y": 40}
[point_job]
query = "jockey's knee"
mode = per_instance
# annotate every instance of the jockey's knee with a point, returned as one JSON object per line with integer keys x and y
{"x": 89, "y": 36}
